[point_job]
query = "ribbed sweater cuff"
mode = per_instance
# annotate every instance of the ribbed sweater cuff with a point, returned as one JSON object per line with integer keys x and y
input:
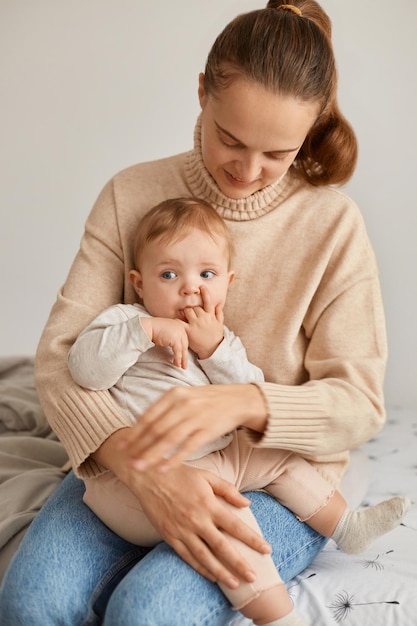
{"x": 296, "y": 418}
{"x": 93, "y": 418}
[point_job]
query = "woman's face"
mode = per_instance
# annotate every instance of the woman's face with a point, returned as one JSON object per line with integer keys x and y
{"x": 250, "y": 136}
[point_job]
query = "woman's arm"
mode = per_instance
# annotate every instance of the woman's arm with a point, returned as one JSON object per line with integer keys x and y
{"x": 82, "y": 419}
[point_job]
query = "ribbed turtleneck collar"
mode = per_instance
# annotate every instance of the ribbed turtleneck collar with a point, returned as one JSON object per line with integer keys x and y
{"x": 203, "y": 185}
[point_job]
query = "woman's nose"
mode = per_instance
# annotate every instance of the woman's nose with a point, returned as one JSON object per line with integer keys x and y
{"x": 250, "y": 168}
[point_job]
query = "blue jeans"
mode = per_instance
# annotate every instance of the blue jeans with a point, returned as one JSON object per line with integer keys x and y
{"x": 71, "y": 570}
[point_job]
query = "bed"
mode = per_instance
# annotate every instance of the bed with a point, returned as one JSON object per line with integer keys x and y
{"x": 376, "y": 588}
{"x": 379, "y": 586}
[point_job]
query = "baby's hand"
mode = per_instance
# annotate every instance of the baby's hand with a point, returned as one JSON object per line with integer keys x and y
{"x": 169, "y": 333}
{"x": 205, "y": 326}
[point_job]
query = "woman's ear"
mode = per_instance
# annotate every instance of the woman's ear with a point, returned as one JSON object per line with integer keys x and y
{"x": 135, "y": 278}
{"x": 202, "y": 97}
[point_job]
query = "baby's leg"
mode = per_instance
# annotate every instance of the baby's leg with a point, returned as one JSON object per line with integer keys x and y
{"x": 356, "y": 530}
{"x": 305, "y": 492}
{"x": 120, "y": 510}
{"x": 266, "y": 600}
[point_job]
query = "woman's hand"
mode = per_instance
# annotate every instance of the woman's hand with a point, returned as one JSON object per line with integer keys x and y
{"x": 186, "y": 418}
{"x": 186, "y": 507}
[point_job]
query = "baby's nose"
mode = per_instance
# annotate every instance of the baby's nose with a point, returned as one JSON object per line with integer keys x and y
{"x": 190, "y": 288}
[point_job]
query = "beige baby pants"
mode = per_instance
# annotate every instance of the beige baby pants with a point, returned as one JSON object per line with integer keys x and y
{"x": 288, "y": 477}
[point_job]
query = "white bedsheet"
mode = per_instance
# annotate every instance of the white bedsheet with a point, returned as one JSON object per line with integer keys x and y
{"x": 378, "y": 587}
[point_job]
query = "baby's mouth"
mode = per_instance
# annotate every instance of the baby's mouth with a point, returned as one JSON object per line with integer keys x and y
{"x": 181, "y": 315}
{"x": 181, "y": 312}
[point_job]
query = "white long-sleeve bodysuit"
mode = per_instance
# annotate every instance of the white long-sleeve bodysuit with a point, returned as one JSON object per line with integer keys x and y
{"x": 115, "y": 353}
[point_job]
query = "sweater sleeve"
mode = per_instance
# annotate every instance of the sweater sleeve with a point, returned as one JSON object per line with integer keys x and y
{"x": 340, "y": 405}
{"x": 82, "y": 419}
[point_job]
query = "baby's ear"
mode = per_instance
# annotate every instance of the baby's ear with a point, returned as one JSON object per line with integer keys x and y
{"x": 231, "y": 277}
{"x": 135, "y": 278}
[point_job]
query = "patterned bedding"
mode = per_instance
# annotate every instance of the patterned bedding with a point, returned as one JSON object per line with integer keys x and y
{"x": 378, "y": 587}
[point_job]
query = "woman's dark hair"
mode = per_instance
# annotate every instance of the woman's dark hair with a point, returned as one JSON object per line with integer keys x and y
{"x": 289, "y": 52}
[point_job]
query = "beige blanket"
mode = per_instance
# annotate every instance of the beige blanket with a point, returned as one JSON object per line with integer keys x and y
{"x": 31, "y": 458}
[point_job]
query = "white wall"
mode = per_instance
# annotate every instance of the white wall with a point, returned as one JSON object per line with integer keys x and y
{"x": 91, "y": 86}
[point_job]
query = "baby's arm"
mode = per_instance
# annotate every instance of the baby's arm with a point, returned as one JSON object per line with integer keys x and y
{"x": 230, "y": 364}
{"x": 221, "y": 354}
{"x": 107, "y": 347}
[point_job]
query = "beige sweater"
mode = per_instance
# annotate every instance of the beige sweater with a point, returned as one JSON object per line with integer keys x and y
{"x": 306, "y": 304}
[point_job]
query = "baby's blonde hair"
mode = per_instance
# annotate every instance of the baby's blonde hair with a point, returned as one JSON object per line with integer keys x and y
{"x": 173, "y": 219}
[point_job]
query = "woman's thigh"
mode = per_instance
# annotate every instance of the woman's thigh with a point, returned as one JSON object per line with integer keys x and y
{"x": 162, "y": 590}
{"x": 67, "y": 565}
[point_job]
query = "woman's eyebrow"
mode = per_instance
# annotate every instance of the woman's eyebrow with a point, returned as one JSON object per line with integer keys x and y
{"x": 226, "y": 132}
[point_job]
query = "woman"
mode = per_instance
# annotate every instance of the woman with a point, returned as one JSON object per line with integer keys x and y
{"x": 269, "y": 146}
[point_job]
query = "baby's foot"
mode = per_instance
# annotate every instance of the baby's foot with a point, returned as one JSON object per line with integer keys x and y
{"x": 356, "y": 530}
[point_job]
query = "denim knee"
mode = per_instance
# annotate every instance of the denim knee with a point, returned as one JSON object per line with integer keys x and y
{"x": 162, "y": 590}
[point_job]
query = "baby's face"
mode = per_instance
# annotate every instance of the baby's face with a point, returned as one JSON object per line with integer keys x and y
{"x": 171, "y": 274}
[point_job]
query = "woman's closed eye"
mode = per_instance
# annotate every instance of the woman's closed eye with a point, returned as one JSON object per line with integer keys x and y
{"x": 229, "y": 143}
{"x": 277, "y": 156}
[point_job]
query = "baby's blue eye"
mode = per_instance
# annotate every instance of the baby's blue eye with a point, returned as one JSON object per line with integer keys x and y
{"x": 168, "y": 275}
{"x": 207, "y": 274}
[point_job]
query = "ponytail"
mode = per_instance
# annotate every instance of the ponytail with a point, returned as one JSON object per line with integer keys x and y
{"x": 287, "y": 49}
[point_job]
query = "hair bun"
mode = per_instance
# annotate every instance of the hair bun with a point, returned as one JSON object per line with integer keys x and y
{"x": 290, "y": 7}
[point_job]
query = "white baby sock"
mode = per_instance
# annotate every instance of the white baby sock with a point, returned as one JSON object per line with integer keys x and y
{"x": 292, "y": 619}
{"x": 357, "y": 529}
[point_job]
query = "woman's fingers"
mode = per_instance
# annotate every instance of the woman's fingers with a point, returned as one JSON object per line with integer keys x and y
{"x": 184, "y": 508}
{"x": 180, "y": 422}
{"x": 197, "y": 553}
{"x": 230, "y": 522}
{"x": 186, "y": 418}
{"x": 169, "y": 453}
{"x": 208, "y": 544}
{"x": 209, "y": 552}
